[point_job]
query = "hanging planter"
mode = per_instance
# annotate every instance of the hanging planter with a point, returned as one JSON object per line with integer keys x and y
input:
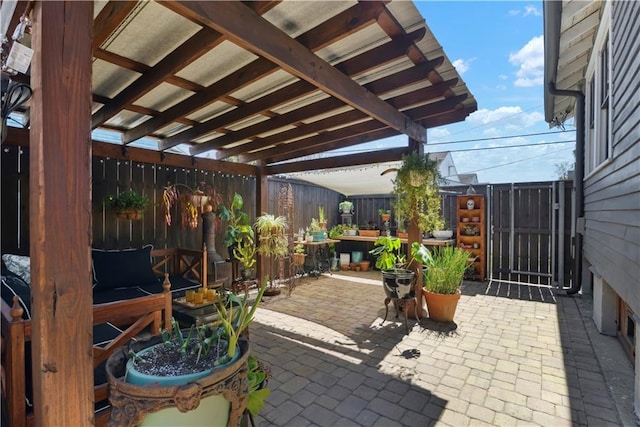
{"x": 128, "y": 205}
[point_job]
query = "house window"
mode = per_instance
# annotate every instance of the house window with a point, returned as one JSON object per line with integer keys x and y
{"x": 598, "y": 132}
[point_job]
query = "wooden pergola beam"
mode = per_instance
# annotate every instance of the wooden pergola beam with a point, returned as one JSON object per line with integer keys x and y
{"x": 354, "y": 18}
{"x": 248, "y": 30}
{"x": 292, "y": 150}
{"x": 352, "y": 67}
{"x": 379, "y": 156}
{"x": 60, "y": 213}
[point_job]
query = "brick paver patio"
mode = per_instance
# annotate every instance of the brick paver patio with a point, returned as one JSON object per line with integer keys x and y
{"x": 517, "y": 356}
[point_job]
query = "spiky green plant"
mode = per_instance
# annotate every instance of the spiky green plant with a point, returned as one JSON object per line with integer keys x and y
{"x": 445, "y": 270}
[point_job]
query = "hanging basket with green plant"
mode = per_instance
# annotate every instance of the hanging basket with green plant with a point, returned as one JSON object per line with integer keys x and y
{"x": 416, "y": 191}
{"x": 128, "y": 204}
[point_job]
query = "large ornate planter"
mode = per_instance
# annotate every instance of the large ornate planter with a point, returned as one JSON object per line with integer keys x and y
{"x": 398, "y": 283}
{"x": 219, "y": 395}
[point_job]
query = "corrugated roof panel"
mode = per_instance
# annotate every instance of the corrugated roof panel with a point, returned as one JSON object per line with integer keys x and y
{"x": 109, "y": 80}
{"x": 301, "y": 102}
{"x": 210, "y": 111}
{"x": 293, "y": 16}
{"x": 354, "y": 44}
{"x": 265, "y": 86}
{"x": 126, "y": 119}
{"x": 219, "y": 62}
{"x": 163, "y": 96}
{"x": 172, "y": 129}
{"x": 151, "y": 33}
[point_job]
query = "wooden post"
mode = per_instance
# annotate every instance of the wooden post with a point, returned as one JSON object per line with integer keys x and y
{"x": 415, "y": 235}
{"x": 262, "y": 205}
{"x": 60, "y": 213}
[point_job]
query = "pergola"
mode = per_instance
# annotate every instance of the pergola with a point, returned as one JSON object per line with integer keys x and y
{"x": 256, "y": 87}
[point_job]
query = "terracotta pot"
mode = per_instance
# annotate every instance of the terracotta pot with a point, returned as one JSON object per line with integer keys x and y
{"x": 364, "y": 265}
{"x": 344, "y": 267}
{"x": 298, "y": 259}
{"x": 441, "y": 307}
{"x": 385, "y": 217}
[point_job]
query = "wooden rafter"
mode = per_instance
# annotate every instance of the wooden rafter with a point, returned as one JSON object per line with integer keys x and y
{"x": 359, "y": 64}
{"x": 246, "y": 29}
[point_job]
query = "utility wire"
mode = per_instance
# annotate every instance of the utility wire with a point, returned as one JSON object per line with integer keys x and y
{"x": 517, "y": 161}
{"x": 496, "y": 137}
{"x": 511, "y": 146}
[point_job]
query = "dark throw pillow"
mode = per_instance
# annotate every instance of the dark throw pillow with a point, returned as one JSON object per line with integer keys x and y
{"x": 119, "y": 269}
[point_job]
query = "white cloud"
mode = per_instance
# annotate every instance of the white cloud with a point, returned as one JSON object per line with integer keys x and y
{"x": 437, "y": 134}
{"x": 531, "y": 10}
{"x": 462, "y": 66}
{"x": 511, "y": 119}
{"x": 530, "y": 59}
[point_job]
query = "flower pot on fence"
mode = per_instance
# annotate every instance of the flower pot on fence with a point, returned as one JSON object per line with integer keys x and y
{"x": 219, "y": 394}
{"x": 441, "y": 307}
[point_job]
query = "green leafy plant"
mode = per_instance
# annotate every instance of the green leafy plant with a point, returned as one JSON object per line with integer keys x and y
{"x": 245, "y": 251}
{"x": 238, "y": 224}
{"x": 127, "y": 200}
{"x": 416, "y": 190}
{"x": 299, "y": 248}
{"x": 314, "y": 226}
{"x": 384, "y": 212}
{"x": 257, "y": 376}
{"x": 345, "y": 206}
{"x": 445, "y": 270}
{"x": 273, "y": 242}
{"x": 321, "y": 217}
{"x": 235, "y": 316}
{"x": 387, "y": 249}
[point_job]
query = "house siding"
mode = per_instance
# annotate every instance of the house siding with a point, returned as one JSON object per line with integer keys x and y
{"x": 612, "y": 193}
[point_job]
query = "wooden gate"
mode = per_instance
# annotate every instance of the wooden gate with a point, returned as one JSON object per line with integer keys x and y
{"x": 531, "y": 233}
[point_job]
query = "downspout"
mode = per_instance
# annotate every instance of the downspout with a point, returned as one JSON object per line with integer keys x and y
{"x": 578, "y": 180}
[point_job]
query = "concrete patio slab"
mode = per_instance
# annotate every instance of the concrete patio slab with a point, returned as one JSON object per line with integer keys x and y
{"x": 516, "y": 355}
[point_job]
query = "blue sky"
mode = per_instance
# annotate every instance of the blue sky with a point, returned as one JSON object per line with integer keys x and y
{"x": 497, "y": 47}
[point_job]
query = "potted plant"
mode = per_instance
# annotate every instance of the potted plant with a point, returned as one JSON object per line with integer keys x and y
{"x": 416, "y": 190}
{"x": 397, "y": 281}
{"x": 316, "y": 231}
{"x": 385, "y": 214}
{"x": 245, "y": 252}
{"x": 128, "y": 204}
{"x": 238, "y": 224}
{"x": 298, "y": 254}
{"x": 322, "y": 220}
{"x": 345, "y": 207}
{"x": 442, "y": 279}
{"x": 441, "y": 230}
{"x": 191, "y": 202}
{"x": 272, "y": 242}
{"x": 212, "y": 363}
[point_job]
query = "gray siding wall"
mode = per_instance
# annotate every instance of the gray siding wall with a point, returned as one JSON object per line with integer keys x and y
{"x": 612, "y": 195}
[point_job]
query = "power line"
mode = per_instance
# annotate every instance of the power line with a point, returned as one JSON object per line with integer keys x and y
{"x": 497, "y": 137}
{"x": 517, "y": 161}
{"x": 511, "y": 146}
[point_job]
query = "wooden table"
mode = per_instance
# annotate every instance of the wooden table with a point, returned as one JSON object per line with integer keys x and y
{"x": 426, "y": 242}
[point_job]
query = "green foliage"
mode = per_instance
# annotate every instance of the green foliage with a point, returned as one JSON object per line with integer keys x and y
{"x": 321, "y": 217}
{"x": 416, "y": 190}
{"x": 238, "y": 225}
{"x": 127, "y": 200}
{"x": 299, "y": 248}
{"x": 235, "y": 318}
{"x": 258, "y": 393}
{"x": 271, "y": 231}
{"x": 445, "y": 270}
{"x": 200, "y": 340}
{"x": 245, "y": 251}
{"x": 345, "y": 205}
{"x": 387, "y": 250}
{"x": 384, "y": 212}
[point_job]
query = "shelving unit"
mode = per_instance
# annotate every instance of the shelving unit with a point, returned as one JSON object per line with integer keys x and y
{"x": 471, "y": 234}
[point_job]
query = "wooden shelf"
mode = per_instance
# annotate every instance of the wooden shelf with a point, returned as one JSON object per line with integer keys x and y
{"x": 475, "y": 217}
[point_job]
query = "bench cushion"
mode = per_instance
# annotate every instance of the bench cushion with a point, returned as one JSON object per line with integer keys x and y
{"x": 14, "y": 285}
{"x": 19, "y": 265}
{"x": 122, "y": 268}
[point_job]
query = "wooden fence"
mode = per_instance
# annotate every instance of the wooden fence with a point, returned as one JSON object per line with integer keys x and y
{"x": 529, "y": 224}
